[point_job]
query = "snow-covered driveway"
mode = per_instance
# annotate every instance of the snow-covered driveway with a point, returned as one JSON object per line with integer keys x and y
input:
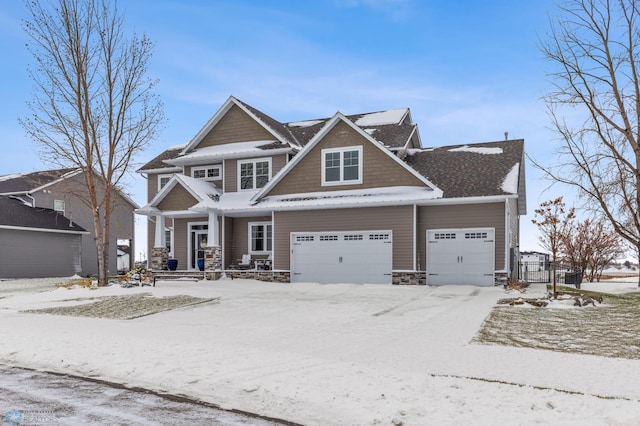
{"x": 326, "y": 354}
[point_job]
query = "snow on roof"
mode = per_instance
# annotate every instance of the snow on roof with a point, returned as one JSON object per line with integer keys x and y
{"x": 227, "y": 150}
{"x": 371, "y": 131}
{"x": 510, "y": 182}
{"x": 11, "y": 176}
{"x": 394, "y": 194}
{"x": 478, "y": 149}
{"x": 392, "y": 116}
{"x": 178, "y": 146}
{"x": 307, "y": 123}
{"x": 201, "y": 188}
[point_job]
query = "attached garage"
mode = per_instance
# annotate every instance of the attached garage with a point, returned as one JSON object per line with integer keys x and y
{"x": 361, "y": 257}
{"x": 461, "y": 256}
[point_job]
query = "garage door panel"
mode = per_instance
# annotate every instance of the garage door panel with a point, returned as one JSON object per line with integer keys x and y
{"x": 342, "y": 257}
{"x": 461, "y": 256}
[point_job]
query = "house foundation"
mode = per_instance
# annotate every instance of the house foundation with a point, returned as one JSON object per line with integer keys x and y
{"x": 409, "y": 278}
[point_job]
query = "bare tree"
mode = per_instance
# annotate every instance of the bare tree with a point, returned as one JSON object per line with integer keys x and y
{"x": 590, "y": 245}
{"x": 594, "y": 50}
{"x": 93, "y": 106}
{"x": 606, "y": 246}
{"x": 577, "y": 245}
{"x": 552, "y": 220}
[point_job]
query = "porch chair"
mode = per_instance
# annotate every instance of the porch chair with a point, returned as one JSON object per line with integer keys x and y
{"x": 264, "y": 264}
{"x": 245, "y": 262}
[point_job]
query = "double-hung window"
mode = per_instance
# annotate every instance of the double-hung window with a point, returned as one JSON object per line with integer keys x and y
{"x": 260, "y": 237}
{"x": 342, "y": 166}
{"x": 253, "y": 174}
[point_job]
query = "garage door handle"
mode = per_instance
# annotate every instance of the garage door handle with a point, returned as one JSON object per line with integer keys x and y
{"x": 340, "y": 259}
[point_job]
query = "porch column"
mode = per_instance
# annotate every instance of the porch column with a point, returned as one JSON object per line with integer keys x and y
{"x": 160, "y": 240}
{"x": 213, "y": 252}
{"x": 213, "y": 237}
{"x": 159, "y": 252}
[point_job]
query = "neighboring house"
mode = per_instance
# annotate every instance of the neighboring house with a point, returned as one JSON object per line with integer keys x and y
{"x": 535, "y": 266}
{"x": 62, "y": 190}
{"x": 37, "y": 242}
{"x": 342, "y": 199}
{"x": 124, "y": 258}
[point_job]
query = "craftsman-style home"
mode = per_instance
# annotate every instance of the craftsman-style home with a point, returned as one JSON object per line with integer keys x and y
{"x": 346, "y": 199}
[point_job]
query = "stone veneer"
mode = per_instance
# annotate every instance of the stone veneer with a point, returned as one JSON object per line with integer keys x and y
{"x": 409, "y": 278}
{"x": 158, "y": 259}
{"x": 260, "y": 275}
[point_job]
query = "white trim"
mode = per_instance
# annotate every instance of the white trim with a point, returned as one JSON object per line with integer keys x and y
{"x": 273, "y": 239}
{"x": 163, "y": 175}
{"x": 507, "y": 236}
{"x": 162, "y": 170}
{"x": 341, "y": 151}
{"x": 415, "y": 233}
{"x": 55, "y": 231}
{"x": 64, "y": 205}
{"x": 252, "y": 161}
{"x": 223, "y": 237}
{"x": 249, "y": 245}
{"x": 219, "y": 115}
{"x": 189, "y": 245}
{"x": 319, "y": 136}
{"x": 206, "y": 172}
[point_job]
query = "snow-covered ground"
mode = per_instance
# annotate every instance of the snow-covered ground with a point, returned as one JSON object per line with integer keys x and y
{"x": 325, "y": 355}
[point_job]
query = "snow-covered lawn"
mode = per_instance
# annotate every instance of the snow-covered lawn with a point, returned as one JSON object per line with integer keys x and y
{"x": 324, "y": 354}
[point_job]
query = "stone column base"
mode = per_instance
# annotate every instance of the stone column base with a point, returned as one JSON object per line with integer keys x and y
{"x": 212, "y": 262}
{"x": 158, "y": 259}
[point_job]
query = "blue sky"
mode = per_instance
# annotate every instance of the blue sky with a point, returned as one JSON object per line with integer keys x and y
{"x": 468, "y": 70}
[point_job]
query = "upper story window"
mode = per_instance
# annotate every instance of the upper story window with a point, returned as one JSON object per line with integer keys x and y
{"x": 163, "y": 180}
{"x": 207, "y": 172}
{"x": 342, "y": 166}
{"x": 58, "y": 205}
{"x": 253, "y": 174}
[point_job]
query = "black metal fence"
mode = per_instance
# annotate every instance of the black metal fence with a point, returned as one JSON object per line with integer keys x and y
{"x": 542, "y": 272}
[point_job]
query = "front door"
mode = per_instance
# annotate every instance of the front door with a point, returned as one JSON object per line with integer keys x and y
{"x": 198, "y": 243}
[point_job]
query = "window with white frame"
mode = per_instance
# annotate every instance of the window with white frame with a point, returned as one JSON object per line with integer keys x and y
{"x": 253, "y": 174}
{"x": 342, "y": 166}
{"x": 207, "y": 172}
{"x": 168, "y": 233}
{"x": 58, "y": 205}
{"x": 163, "y": 180}
{"x": 260, "y": 237}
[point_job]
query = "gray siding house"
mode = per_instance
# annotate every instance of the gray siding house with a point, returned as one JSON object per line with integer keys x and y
{"x": 37, "y": 242}
{"x": 63, "y": 190}
{"x": 349, "y": 198}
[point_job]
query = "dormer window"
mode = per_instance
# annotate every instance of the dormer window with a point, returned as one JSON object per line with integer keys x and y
{"x": 253, "y": 174}
{"x": 207, "y": 172}
{"x": 342, "y": 166}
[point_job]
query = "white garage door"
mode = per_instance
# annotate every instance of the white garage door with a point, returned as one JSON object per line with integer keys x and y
{"x": 461, "y": 256}
{"x": 342, "y": 257}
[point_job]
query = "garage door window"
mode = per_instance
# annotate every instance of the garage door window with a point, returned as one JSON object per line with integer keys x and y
{"x": 261, "y": 237}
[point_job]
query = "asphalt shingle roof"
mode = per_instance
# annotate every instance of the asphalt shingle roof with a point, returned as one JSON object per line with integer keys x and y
{"x": 14, "y": 212}
{"x": 28, "y": 181}
{"x": 472, "y": 172}
{"x": 390, "y": 135}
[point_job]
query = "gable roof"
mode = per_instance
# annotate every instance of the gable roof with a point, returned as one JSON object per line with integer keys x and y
{"x": 393, "y": 128}
{"x": 30, "y": 182}
{"x": 14, "y": 213}
{"x": 338, "y": 117}
{"x": 205, "y": 193}
{"x": 473, "y": 170}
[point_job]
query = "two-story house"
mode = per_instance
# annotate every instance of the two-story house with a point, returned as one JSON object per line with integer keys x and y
{"x": 64, "y": 191}
{"x": 351, "y": 199}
